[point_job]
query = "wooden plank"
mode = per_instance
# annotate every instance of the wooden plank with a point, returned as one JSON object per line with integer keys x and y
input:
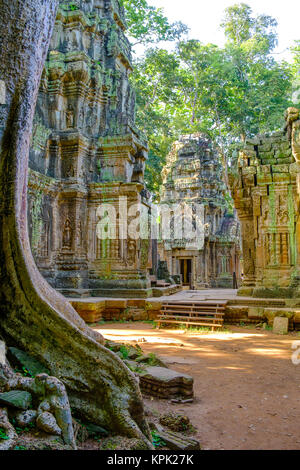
{"x": 176, "y": 317}
{"x": 192, "y": 323}
{"x": 196, "y": 302}
{"x": 175, "y": 312}
{"x": 204, "y": 304}
{"x": 198, "y": 315}
{"x": 192, "y": 307}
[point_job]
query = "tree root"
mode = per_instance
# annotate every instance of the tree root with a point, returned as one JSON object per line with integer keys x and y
{"x": 7, "y": 444}
{"x": 51, "y": 394}
{"x": 33, "y": 316}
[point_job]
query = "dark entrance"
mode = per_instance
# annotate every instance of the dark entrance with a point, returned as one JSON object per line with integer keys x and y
{"x": 186, "y": 271}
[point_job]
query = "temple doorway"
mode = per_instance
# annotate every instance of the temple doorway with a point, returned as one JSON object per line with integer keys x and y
{"x": 186, "y": 271}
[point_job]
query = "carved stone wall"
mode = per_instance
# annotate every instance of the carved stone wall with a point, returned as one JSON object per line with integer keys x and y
{"x": 193, "y": 177}
{"x": 85, "y": 152}
{"x": 266, "y": 196}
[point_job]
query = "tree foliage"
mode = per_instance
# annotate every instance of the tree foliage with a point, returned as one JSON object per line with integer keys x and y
{"x": 148, "y": 24}
{"x": 228, "y": 93}
{"x": 296, "y": 72}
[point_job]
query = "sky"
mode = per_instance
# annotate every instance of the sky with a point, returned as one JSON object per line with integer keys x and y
{"x": 204, "y": 17}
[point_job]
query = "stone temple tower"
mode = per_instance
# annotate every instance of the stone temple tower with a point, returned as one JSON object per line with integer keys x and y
{"x": 192, "y": 179}
{"x": 86, "y": 152}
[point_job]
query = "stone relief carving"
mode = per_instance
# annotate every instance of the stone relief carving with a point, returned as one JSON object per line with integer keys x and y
{"x": 67, "y": 237}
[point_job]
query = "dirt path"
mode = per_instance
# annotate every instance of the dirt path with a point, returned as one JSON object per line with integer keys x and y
{"x": 247, "y": 390}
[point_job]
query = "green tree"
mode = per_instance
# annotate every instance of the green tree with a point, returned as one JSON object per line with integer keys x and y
{"x": 148, "y": 24}
{"x": 228, "y": 93}
{"x": 156, "y": 80}
{"x": 296, "y": 73}
{"x": 241, "y": 27}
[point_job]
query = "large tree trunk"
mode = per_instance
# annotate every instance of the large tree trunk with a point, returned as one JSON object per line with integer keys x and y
{"x": 32, "y": 314}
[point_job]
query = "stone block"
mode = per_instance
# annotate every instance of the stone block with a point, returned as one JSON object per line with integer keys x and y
{"x": 254, "y": 161}
{"x": 112, "y": 314}
{"x": 272, "y": 313}
{"x": 135, "y": 314}
{"x": 280, "y": 325}
{"x": 177, "y": 441}
{"x": 114, "y": 303}
{"x": 166, "y": 383}
{"x": 90, "y": 312}
{"x": 265, "y": 147}
{"x": 286, "y": 160}
{"x": 280, "y": 168}
{"x": 281, "y": 177}
{"x": 285, "y": 146}
{"x": 264, "y": 178}
{"x": 138, "y": 303}
{"x": 249, "y": 180}
{"x": 245, "y": 291}
{"x": 16, "y": 399}
{"x": 153, "y": 306}
{"x": 249, "y": 170}
{"x": 268, "y": 160}
{"x": 256, "y": 312}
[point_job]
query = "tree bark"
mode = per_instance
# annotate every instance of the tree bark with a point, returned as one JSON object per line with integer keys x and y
{"x": 33, "y": 315}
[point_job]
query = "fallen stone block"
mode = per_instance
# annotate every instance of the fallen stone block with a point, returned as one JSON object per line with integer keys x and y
{"x": 176, "y": 441}
{"x": 16, "y": 399}
{"x": 280, "y": 325}
{"x": 166, "y": 383}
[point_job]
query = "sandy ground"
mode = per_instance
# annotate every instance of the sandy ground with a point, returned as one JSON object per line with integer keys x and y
{"x": 247, "y": 389}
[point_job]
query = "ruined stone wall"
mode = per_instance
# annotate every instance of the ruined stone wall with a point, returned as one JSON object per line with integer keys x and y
{"x": 86, "y": 151}
{"x": 266, "y": 197}
{"x": 193, "y": 175}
